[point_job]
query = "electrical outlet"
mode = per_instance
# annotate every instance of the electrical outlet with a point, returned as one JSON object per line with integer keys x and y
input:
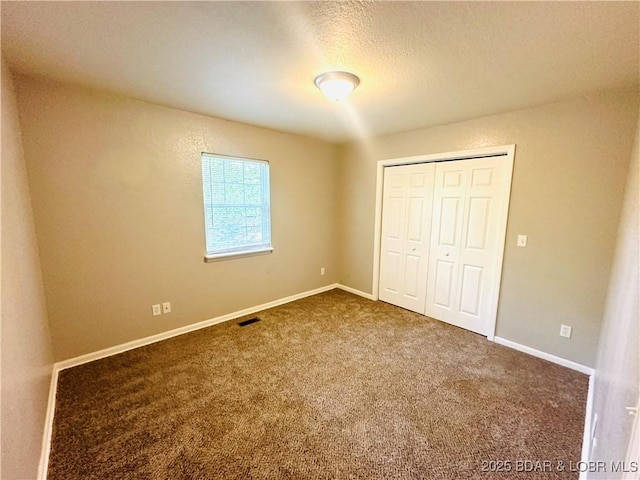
{"x": 565, "y": 331}
{"x": 522, "y": 241}
{"x": 157, "y": 309}
{"x": 322, "y": 271}
{"x": 166, "y": 307}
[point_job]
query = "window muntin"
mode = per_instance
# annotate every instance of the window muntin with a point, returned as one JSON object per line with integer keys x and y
{"x": 236, "y": 205}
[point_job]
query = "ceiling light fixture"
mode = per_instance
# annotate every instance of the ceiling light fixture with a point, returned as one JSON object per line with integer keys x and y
{"x": 336, "y": 85}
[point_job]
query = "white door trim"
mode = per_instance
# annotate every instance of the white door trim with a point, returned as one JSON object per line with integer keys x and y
{"x": 508, "y": 151}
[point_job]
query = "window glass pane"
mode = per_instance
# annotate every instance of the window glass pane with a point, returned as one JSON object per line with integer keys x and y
{"x": 233, "y": 172}
{"x": 233, "y": 194}
{"x": 251, "y": 174}
{"x": 217, "y": 170}
{"x": 217, "y": 193}
{"x": 252, "y": 195}
{"x": 236, "y": 204}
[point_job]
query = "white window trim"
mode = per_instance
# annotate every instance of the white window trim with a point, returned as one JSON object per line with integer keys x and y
{"x": 244, "y": 253}
{"x": 250, "y": 251}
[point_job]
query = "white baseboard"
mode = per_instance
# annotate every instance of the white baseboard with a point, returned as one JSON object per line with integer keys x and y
{"x": 545, "y": 356}
{"x": 107, "y": 352}
{"x": 586, "y": 436}
{"x": 48, "y": 425}
{"x": 360, "y": 293}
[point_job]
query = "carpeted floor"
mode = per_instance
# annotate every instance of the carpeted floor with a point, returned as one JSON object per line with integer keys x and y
{"x": 329, "y": 387}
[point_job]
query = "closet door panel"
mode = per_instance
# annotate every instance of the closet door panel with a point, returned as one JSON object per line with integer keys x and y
{"x": 406, "y": 233}
{"x": 470, "y": 197}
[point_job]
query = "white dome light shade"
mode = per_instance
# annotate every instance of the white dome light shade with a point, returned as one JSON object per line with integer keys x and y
{"x": 337, "y": 85}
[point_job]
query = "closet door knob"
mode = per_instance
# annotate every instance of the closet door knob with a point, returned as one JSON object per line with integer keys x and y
{"x": 446, "y": 254}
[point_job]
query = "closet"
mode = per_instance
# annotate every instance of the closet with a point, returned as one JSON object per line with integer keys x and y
{"x": 442, "y": 238}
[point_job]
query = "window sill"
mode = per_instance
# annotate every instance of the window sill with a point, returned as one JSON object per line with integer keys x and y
{"x": 228, "y": 256}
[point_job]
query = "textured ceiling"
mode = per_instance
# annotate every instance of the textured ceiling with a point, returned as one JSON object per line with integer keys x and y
{"x": 420, "y": 63}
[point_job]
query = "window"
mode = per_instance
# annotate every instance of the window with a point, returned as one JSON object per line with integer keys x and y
{"x": 237, "y": 213}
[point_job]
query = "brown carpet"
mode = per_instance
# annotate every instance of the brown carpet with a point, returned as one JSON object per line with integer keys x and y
{"x": 329, "y": 387}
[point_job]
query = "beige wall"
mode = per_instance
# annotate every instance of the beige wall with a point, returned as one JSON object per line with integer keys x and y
{"x": 568, "y": 182}
{"x": 118, "y": 208}
{"x": 117, "y": 197}
{"x": 617, "y": 368}
{"x": 26, "y": 344}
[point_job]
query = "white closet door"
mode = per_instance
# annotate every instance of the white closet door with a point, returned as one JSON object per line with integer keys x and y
{"x": 470, "y": 203}
{"x": 406, "y": 230}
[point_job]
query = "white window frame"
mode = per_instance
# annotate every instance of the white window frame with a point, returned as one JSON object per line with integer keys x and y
{"x": 245, "y": 250}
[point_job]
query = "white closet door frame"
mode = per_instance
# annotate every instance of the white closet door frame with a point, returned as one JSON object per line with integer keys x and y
{"x": 506, "y": 151}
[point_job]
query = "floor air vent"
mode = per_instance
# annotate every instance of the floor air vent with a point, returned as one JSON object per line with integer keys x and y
{"x": 244, "y": 323}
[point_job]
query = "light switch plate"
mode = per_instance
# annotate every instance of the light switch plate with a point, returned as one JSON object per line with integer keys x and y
{"x": 157, "y": 310}
{"x": 522, "y": 241}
